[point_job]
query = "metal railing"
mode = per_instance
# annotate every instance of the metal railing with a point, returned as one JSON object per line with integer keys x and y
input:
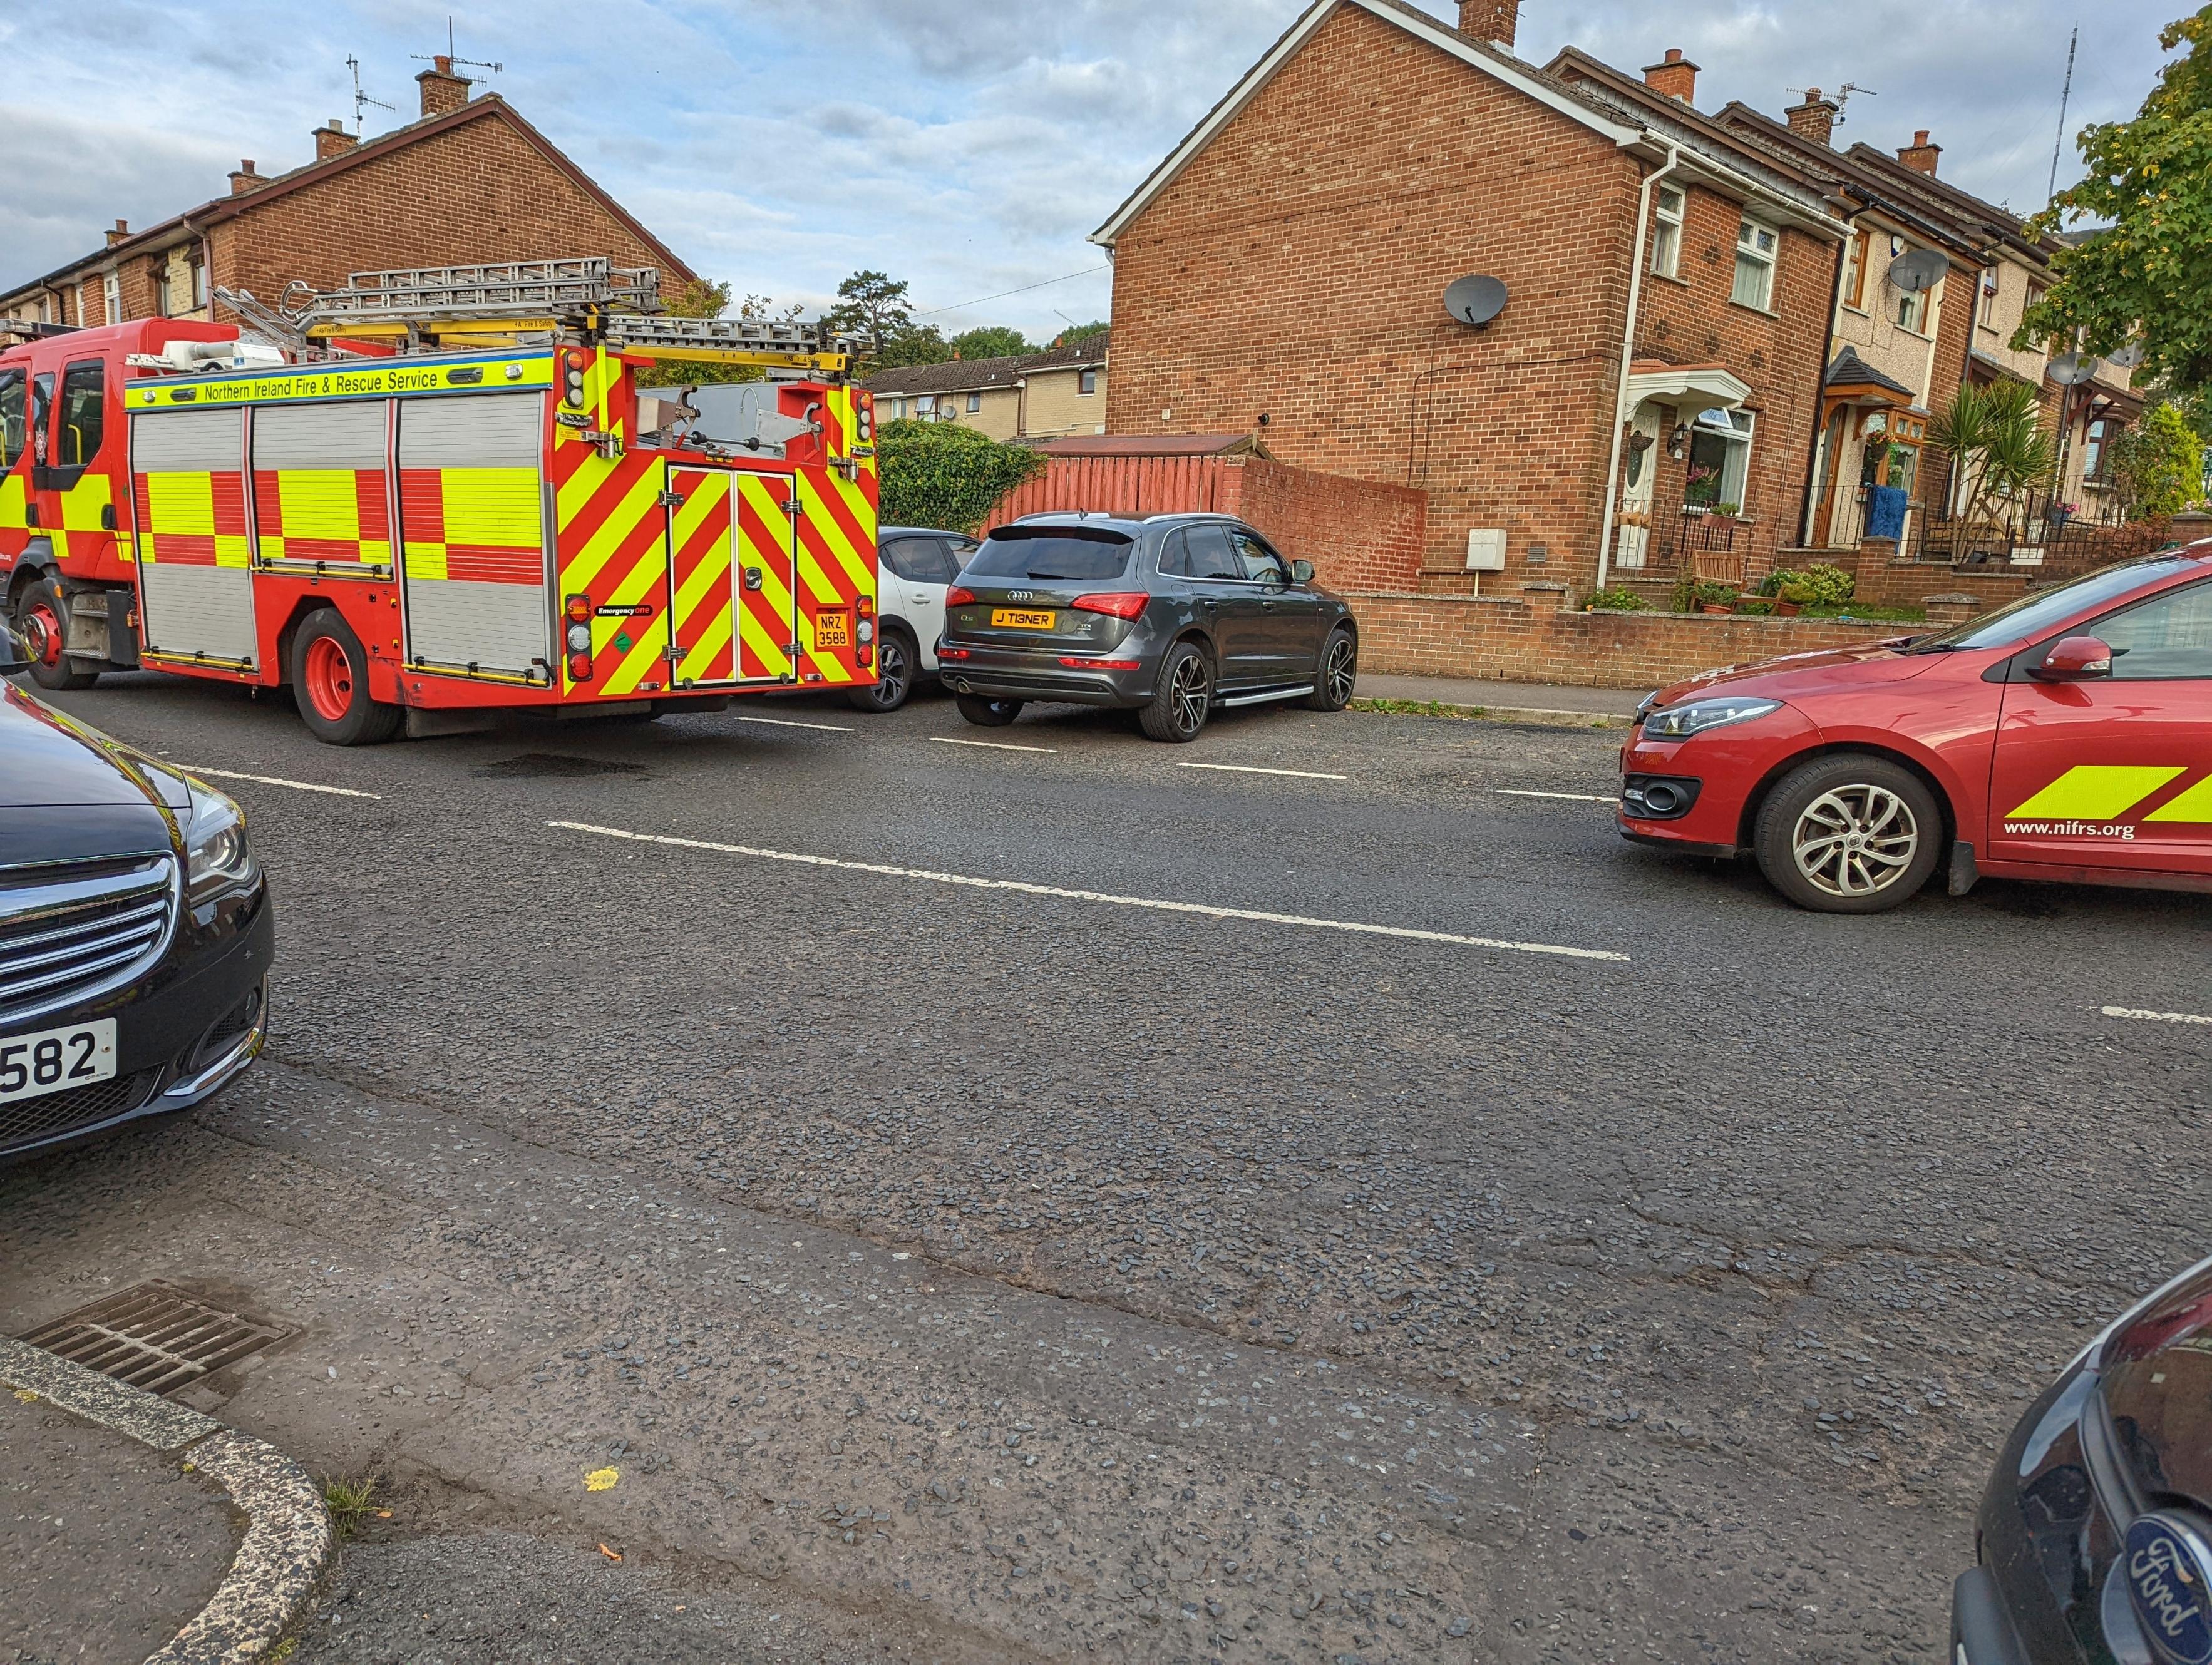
{"x": 1701, "y": 542}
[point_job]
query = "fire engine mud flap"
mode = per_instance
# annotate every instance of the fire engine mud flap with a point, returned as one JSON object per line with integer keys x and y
{"x": 436, "y": 725}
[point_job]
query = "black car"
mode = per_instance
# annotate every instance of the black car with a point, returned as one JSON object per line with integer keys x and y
{"x": 2095, "y": 1543}
{"x": 135, "y": 930}
{"x": 1171, "y": 616}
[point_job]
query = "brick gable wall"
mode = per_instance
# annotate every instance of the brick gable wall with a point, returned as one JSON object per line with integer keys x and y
{"x": 1297, "y": 267}
{"x": 476, "y": 191}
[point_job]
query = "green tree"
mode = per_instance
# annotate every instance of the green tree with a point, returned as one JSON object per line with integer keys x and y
{"x": 872, "y": 308}
{"x": 1994, "y": 439}
{"x": 991, "y": 341}
{"x": 2157, "y": 466}
{"x": 945, "y": 474}
{"x": 1080, "y": 332}
{"x": 2147, "y": 274}
{"x": 917, "y": 343}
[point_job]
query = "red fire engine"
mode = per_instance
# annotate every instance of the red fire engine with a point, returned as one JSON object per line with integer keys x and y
{"x": 439, "y": 492}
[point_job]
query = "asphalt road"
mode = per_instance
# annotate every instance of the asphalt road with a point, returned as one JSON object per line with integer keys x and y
{"x": 960, "y": 1247}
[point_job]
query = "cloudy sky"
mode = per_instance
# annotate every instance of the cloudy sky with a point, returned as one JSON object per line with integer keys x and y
{"x": 968, "y": 146}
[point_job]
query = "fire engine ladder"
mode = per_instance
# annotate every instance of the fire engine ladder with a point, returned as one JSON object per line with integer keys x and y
{"x": 503, "y": 305}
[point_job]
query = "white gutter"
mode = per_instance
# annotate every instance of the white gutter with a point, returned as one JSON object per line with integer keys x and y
{"x": 1628, "y": 357}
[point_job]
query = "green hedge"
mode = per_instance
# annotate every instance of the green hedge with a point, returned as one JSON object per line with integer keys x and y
{"x": 942, "y": 474}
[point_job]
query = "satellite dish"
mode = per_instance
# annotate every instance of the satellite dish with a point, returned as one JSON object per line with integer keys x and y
{"x": 1917, "y": 269}
{"x": 1475, "y": 299}
{"x": 2072, "y": 369}
{"x": 2127, "y": 357}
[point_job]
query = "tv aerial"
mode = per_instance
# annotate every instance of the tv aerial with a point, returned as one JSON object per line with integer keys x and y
{"x": 361, "y": 100}
{"x": 1917, "y": 270}
{"x": 1476, "y": 300}
{"x": 451, "y": 56}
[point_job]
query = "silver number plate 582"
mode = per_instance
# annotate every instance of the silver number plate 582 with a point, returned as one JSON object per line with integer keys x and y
{"x": 56, "y": 1060}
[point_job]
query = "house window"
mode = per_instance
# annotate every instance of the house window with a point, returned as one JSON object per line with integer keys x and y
{"x": 2094, "y": 442}
{"x": 1912, "y": 308}
{"x": 199, "y": 283}
{"x": 1086, "y": 381}
{"x": 925, "y": 405}
{"x": 1855, "y": 265}
{"x": 974, "y": 402}
{"x": 1985, "y": 311}
{"x": 1754, "y": 265}
{"x": 161, "y": 306}
{"x": 1720, "y": 460}
{"x": 110, "y": 299}
{"x": 1666, "y": 232}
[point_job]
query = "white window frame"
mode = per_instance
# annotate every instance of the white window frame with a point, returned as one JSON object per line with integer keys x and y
{"x": 925, "y": 404}
{"x": 975, "y": 404}
{"x": 1086, "y": 381}
{"x": 1985, "y": 313}
{"x": 1751, "y": 258}
{"x": 1736, "y": 430}
{"x": 1667, "y": 231}
{"x": 111, "y": 298}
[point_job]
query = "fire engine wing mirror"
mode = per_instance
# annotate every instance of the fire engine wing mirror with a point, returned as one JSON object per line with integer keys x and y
{"x": 1300, "y": 572}
{"x": 15, "y": 656}
{"x": 2074, "y": 658}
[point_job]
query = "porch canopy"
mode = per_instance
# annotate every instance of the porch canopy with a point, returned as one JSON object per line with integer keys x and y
{"x": 1690, "y": 388}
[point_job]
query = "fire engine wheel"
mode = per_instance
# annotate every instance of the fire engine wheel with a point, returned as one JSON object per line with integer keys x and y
{"x": 330, "y": 684}
{"x": 42, "y": 617}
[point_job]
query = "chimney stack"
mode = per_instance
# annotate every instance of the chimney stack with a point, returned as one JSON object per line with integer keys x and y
{"x": 332, "y": 139}
{"x": 244, "y": 178}
{"x": 121, "y": 233}
{"x": 442, "y": 90}
{"x": 1675, "y": 76}
{"x": 1814, "y": 119}
{"x": 1494, "y": 20}
{"x": 1920, "y": 156}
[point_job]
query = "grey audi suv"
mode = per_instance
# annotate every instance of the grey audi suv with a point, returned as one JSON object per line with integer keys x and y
{"x": 1169, "y": 616}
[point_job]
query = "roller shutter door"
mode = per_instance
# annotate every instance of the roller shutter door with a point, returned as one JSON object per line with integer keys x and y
{"x": 321, "y": 493}
{"x": 472, "y": 531}
{"x": 190, "y": 539}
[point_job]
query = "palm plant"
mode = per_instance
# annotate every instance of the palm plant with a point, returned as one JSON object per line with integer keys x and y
{"x": 1996, "y": 441}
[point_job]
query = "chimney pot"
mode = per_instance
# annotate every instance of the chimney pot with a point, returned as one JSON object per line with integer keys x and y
{"x": 1494, "y": 20}
{"x": 1815, "y": 119}
{"x": 332, "y": 139}
{"x": 1920, "y": 156}
{"x": 245, "y": 177}
{"x": 441, "y": 89}
{"x": 1674, "y": 75}
{"x": 121, "y": 232}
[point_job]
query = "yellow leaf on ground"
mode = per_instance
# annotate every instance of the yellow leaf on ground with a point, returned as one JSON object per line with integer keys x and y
{"x": 611, "y": 1554}
{"x": 602, "y": 1479}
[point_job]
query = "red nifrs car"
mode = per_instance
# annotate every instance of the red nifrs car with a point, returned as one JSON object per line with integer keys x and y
{"x": 2067, "y": 736}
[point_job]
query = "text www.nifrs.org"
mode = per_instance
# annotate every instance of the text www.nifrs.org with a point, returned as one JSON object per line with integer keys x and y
{"x": 2067, "y": 830}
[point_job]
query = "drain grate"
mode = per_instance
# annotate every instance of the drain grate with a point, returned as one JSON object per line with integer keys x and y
{"x": 155, "y": 1336}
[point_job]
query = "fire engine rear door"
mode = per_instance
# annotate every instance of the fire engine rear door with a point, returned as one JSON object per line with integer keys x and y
{"x": 188, "y": 496}
{"x": 702, "y": 579}
{"x": 473, "y": 531}
{"x": 768, "y": 573}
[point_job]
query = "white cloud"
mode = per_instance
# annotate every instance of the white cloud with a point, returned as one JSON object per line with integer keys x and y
{"x": 970, "y": 147}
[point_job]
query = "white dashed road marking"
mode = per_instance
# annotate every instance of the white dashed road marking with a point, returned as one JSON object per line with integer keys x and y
{"x": 785, "y": 722}
{"x": 2156, "y": 1017}
{"x": 1024, "y": 887}
{"x": 273, "y": 781}
{"x": 994, "y": 746}
{"x": 1573, "y": 797}
{"x": 1248, "y": 769}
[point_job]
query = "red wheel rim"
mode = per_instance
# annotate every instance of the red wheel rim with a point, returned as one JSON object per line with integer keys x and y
{"x": 44, "y": 630}
{"x": 328, "y": 675}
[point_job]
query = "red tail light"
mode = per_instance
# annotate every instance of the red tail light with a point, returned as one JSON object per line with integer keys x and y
{"x": 1122, "y": 603}
{"x": 1101, "y": 664}
{"x": 958, "y": 596}
{"x": 579, "y": 610}
{"x": 580, "y": 667}
{"x": 952, "y": 653}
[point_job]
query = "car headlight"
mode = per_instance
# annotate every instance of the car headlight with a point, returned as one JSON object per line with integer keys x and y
{"x": 1678, "y": 722}
{"x": 216, "y": 853}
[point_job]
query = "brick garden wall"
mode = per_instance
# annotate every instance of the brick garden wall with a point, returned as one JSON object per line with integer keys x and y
{"x": 1525, "y": 638}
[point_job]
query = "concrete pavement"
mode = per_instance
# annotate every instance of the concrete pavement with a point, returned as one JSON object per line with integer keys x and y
{"x": 1197, "y": 1210}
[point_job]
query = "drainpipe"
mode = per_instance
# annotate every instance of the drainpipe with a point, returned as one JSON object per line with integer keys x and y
{"x": 1628, "y": 353}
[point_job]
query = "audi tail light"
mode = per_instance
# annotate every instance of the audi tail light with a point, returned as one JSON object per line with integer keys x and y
{"x": 959, "y": 596}
{"x": 952, "y": 653}
{"x": 1121, "y": 604}
{"x": 1101, "y": 664}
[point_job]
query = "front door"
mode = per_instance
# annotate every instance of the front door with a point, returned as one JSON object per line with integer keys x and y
{"x": 1633, "y": 522}
{"x": 2115, "y": 772}
{"x": 766, "y": 578}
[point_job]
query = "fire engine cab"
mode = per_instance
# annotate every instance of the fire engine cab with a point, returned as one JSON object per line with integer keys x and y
{"x": 429, "y": 493}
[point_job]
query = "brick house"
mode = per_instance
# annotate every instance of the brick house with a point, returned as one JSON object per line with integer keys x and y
{"x": 1044, "y": 395}
{"x": 469, "y": 180}
{"x": 1659, "y": 355}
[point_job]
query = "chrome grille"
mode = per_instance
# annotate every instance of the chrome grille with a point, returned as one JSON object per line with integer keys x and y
{"x": 71, "y": 931}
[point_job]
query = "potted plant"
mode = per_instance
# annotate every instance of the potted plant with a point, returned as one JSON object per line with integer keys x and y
{"x": 1793, "y": 597}
{"x": 1712, "y": 596}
